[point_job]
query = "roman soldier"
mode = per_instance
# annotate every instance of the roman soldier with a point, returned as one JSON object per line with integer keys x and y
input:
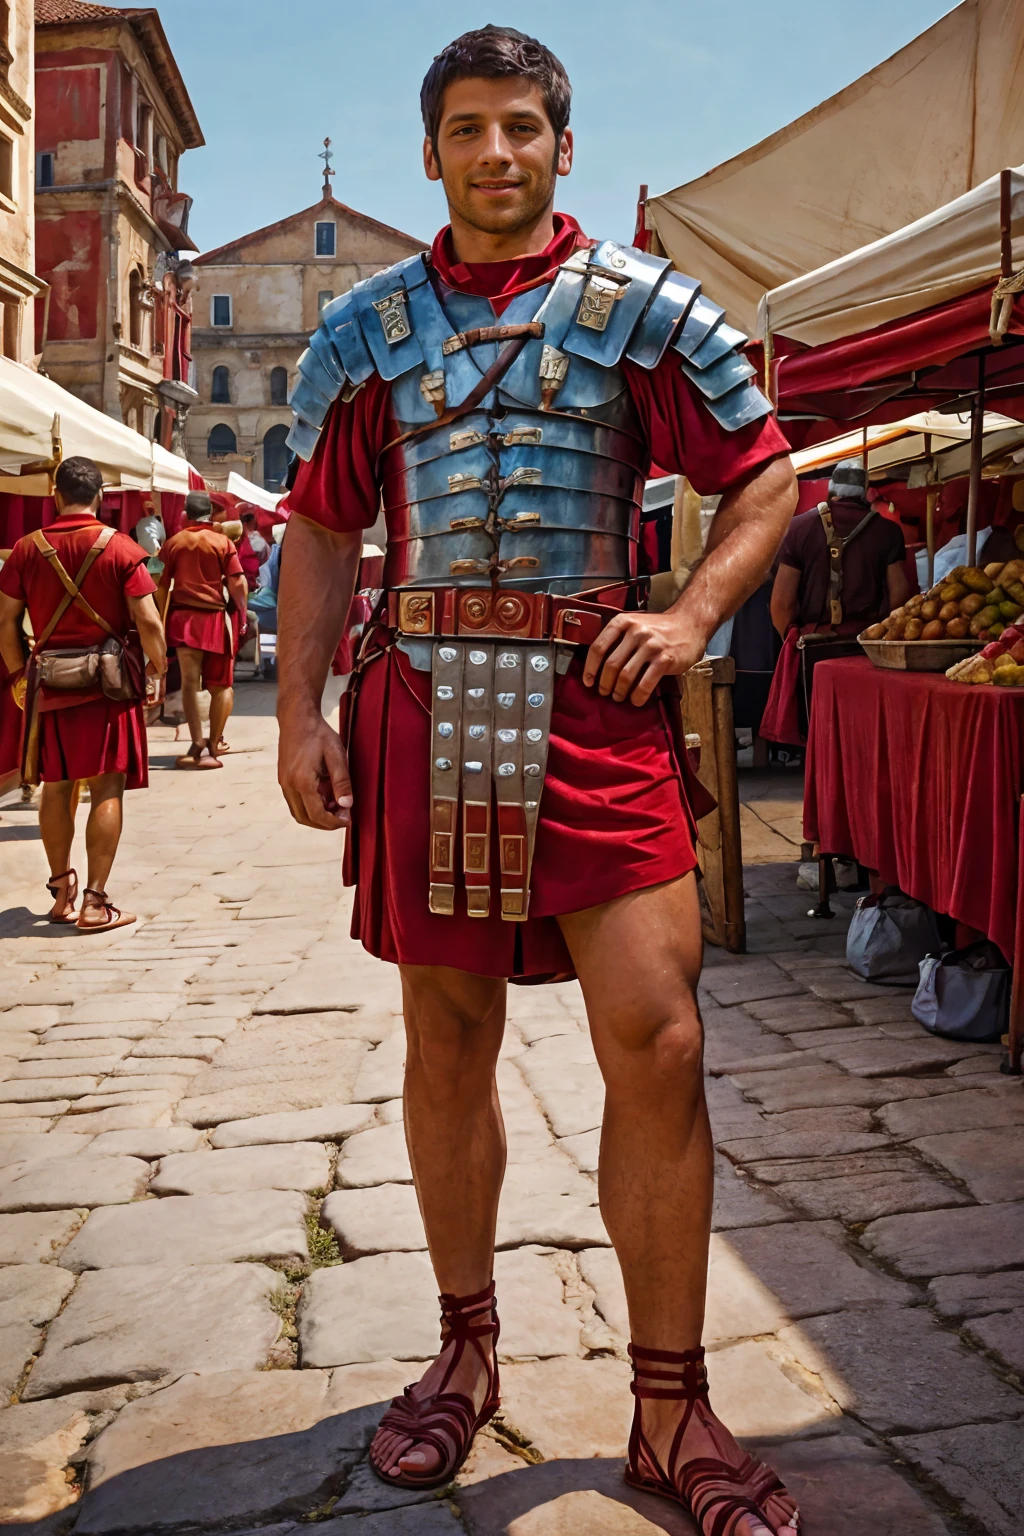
{"x": 511, "y": 771}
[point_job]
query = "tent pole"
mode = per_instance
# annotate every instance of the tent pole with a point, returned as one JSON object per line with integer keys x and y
{"x": 864, "y": 456}
{"x": 977, "y": 436}
{"x": 929, "y": 519}
{"x": 1005, "y": 226}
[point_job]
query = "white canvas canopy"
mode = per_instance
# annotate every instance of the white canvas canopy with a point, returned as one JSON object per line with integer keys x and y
{"x": 248, "y": 490}
{"x": 38, "y": 418}
{"x": 946, "y": 253}
{"x": 929, "y": 435}
{"x": 939, "y": 117}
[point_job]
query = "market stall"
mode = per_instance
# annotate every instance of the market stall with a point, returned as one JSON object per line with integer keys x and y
{"x": 918, "y": 775}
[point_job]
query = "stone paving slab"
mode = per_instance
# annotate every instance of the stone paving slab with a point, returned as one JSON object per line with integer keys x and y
{"x": 976, "y": 1295}
{"x": 293, "y": 1165}
{"x": 82, "y": 1180}
{"x": 30, "y": 1295}
{"x": 233, "y": 1446}
{"x": 36, "y": 1442}
{"x": 969, "y": 1109}
{"x": 978, "y": 1465}
{"x": 866, "y": 1196}
{"x": 899, "y": 1371}
{"x": 264, "y": 1098}
{"x": 143, "y": 1322}
{"x": 195, "y": 1229}
{"x": 331, "y": 1122}
{"x": 375, "y": 1156}
{"x": 928, "y": 1243}
{"x": 809, "y": 1267}
{"x": 28, "y": 1147}
{"x": 36, "y": 1237}
{"x": 377, "y": 1308}
{"x": 989, "y": 1162}
{"x": 1002, "y": 1334}
{"x": 150, "y": 1144}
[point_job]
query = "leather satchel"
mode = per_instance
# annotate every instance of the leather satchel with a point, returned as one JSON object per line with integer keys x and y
{"x": 109, "y": 663}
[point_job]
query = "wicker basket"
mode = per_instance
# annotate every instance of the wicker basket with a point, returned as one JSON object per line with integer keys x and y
{"x": 918, "y": 655}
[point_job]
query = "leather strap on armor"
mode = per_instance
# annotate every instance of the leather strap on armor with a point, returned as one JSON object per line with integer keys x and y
{"x": 836, "y": 547}
{"x": 490, "y": 724}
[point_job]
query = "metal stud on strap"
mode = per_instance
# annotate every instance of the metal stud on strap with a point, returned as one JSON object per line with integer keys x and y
{"x": 477, "y": 717}
{"x": 446, "y": 748}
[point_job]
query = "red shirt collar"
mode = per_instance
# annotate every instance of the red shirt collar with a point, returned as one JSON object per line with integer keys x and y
{"x": 501, "y": 281}
{"x": 73, "y": 520}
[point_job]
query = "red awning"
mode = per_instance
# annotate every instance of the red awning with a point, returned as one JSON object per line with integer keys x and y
{"x": 852, "y": 379}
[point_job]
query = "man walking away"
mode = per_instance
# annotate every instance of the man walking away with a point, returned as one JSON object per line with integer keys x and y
{"x": 87, "y": 590}
{"x": 203, "y": 624}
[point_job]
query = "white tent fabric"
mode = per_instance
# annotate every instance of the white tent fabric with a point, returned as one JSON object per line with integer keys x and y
{"x": 936, "y": 119}
{"x": 170, "y": 472}
{"x": 898, "y": 442}
{"x": 248, "y": 490}
{"x": 945, "y": 254}
{"x": 36, "y": 415}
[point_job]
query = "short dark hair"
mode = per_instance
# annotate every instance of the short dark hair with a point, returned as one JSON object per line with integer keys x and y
{"x": 79, "y": 481}
{"x": 496, "y": 53}
{"x": 198, "y": 504}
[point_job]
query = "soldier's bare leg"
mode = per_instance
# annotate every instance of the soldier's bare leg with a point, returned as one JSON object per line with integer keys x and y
{"x": 638, "y": 959}
{"x": 454, "y": 1024}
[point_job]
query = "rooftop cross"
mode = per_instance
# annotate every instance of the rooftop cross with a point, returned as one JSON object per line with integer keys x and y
{"x": 326, "y": 156}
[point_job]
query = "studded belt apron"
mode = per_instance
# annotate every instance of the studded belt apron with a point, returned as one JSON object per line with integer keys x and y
{"x": 490, "y": 722}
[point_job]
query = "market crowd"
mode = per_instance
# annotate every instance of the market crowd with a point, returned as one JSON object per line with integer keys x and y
{"x": 105, "y": 612}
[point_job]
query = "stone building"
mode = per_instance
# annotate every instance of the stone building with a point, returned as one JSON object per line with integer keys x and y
{"x": 18, "y": 283}
{"x": 257, "y": 300}
{"x": 113, "y": 119}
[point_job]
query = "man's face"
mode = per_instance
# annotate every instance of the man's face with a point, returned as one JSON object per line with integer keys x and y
{"x": 496, "y": 154}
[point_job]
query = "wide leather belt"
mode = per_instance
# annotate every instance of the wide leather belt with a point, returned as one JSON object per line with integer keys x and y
{"x": 490, "y": 724}
{"x": 498, "y": 614}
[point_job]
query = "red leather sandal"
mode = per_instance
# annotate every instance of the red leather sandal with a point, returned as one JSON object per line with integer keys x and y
{"x": 70, "y": 895}
{"x": 448, "y": 1421}
{"x": 710, "y": 1489}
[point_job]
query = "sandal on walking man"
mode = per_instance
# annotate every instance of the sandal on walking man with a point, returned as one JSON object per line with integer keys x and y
{"x": 504, "y": 394}
{"x": 90, "y": 603}
{"x": 203, "y": 624}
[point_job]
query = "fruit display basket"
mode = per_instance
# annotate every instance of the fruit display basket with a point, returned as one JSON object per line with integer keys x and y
{"x": 919, "y": 655}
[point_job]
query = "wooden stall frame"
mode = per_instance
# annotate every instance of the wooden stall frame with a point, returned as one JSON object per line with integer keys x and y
{"x": 1015, "y": 1039}
{"x": 706, "y": 704}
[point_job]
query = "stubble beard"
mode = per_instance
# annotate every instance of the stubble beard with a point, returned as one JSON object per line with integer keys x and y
{"x": 536, "y": 197}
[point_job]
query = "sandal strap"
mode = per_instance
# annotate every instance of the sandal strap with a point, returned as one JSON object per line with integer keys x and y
{"x": 51, "y": 884}
{"x": 683, "y": 1377}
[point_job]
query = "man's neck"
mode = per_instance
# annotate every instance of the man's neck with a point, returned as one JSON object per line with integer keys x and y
{"x": 76, "y": 512}
{"x": 473, "y": 245}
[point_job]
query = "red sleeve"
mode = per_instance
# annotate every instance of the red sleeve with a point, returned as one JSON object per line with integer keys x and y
{"x": 338, "y": 488}
{"x": 140, "y": 583}
{"x": 685, "y": 438}
{"x": 792, "y": 552}
{"x": 231, "y": 564}
{"x": 10, "y": 576}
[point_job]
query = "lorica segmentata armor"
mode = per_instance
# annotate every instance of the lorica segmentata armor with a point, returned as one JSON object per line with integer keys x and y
{"x": 515, "y": 466}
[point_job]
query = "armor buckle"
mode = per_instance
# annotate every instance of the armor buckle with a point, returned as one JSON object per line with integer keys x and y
{"x": 598, "y": 298}
{"x": 393, "y": 318}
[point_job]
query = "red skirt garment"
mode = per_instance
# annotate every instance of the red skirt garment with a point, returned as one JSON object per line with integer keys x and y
{"x": 202, "y": 629}
{"x": 616, "y": 815}
{"x": 85, "y": 740}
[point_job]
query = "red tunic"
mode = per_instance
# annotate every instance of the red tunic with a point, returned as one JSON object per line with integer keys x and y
{"x": 617, "y": 809}
{"x": 82, "y": 735}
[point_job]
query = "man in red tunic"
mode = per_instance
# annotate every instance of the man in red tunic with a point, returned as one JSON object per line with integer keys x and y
{"x": 505, "y": 395}
{"x": 80, "y": 734}
{"x": 199, "y": 563}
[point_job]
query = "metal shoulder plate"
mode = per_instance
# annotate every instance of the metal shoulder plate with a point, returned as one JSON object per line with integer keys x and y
{"x": 635, "y": 305}
{"x": 365, "y": 331}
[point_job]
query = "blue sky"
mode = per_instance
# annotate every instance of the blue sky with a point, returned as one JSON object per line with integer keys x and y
{"x": 663, "y": 90}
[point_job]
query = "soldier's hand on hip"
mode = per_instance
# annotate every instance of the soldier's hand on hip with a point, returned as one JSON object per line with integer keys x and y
{"x": 635, "y": 651}
{"x": 312, "y": 770}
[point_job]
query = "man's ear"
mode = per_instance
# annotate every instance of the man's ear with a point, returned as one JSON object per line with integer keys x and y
{"x": 430, "y": 161}
{"x": 565, "y": 149}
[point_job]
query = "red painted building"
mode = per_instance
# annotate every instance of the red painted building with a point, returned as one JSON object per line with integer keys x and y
{"x": 112, "y": 120}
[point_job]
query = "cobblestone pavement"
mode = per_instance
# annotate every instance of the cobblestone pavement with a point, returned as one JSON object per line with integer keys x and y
{"x": 213, "y": 1268}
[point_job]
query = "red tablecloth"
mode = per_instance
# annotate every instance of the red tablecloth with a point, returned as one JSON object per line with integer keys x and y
{"x": 921, "y": 779}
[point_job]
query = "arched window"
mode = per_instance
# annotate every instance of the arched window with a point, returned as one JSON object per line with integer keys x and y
{"x": 221, "y": 440}
{"x": 135, "y": 309}
{"x": 220, "y": 387}
{"x": 275, "y": 458}
{"x": 279, "y": 386}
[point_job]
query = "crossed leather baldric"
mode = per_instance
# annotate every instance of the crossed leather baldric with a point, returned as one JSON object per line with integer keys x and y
{"x": 490, "y": 725}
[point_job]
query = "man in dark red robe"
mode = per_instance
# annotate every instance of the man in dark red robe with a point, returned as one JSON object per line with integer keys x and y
{"x": 206, "y": 610}
{"x": 80, "y": 734}
{"x": 613, "y": 894}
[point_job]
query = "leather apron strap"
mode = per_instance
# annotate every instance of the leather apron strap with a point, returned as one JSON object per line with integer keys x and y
{"x": 836, "y": 548}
